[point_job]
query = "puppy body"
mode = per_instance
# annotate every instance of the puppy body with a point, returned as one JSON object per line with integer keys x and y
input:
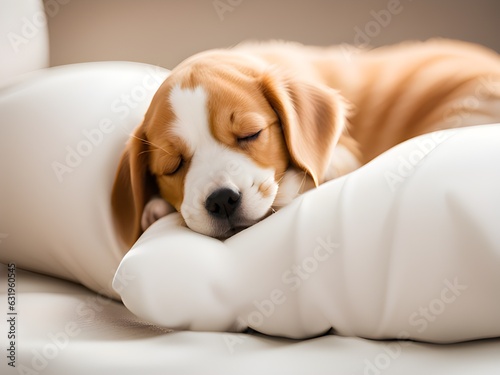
{"x": 401, "y": 91}
{"x": 232, "y": 134}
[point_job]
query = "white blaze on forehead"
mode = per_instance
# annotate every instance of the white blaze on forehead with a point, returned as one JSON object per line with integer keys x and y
{"x": 192, "y": 126}
{"x": 214, "y": 166}
{"x": 190, "y": 109}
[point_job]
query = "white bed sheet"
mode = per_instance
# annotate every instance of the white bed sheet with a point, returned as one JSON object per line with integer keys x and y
{"x": 418, "y": 260}
{"x": 110, "y": 340}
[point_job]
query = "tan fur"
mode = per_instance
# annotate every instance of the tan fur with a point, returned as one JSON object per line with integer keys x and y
{"x": 399, "y": 91}
{"x": 298, "y": 96}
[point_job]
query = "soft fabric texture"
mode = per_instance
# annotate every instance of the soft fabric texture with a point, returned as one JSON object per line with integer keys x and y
{"x": 24, "y": 46}
{"x": 66, "y": 329}
{"x": 63, "y": 130}
{"x": 406, "y": 247}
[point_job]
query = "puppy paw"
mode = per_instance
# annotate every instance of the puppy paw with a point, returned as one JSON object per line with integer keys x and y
{"x": 155, "y": 209}
{"x": 294, "y": 183}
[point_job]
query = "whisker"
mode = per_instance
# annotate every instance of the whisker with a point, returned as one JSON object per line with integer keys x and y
{"x": 302, "y": 183}
{"x": 149, "y": 143}
{"x": 145, "y": 151}
{"x": 280, "y": 178}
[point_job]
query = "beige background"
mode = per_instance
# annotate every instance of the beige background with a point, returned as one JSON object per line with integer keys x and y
{"x": 164, "y": 32}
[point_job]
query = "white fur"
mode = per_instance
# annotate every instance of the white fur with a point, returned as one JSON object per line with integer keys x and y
{"x": 155, "y": 209}
{"x": 214, "y": 166}
{"x": 293, "y": 183}
{"x": 342, "y": 162}
{"x": 296, "y": 182}
{"x": 191, "y": 113}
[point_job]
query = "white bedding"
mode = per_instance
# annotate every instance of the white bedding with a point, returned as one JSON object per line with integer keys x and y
{"x": 65, "y": 229}
{"x": 62, "y": 132}
{"x": 108, "y": 339}
{"x": 406, "y": 247}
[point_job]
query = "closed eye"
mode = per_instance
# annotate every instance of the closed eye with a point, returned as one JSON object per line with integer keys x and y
{"x": 177, "y": 169}
{"x": 249, "y": 138}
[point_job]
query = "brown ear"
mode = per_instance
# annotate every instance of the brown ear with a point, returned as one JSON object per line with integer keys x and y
{"x": 312, "y": 118}
{"x": 133, "y": 187}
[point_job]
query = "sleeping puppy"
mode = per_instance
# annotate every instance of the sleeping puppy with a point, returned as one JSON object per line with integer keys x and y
{"x": 232, "y": 135}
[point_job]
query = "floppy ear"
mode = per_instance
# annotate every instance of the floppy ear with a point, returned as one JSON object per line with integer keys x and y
{"x": 312, "y": 118}
{"x": 133, "y": 187}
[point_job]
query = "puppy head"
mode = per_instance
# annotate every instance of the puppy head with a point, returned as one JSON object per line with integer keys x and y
{"x": 218, "y": 137}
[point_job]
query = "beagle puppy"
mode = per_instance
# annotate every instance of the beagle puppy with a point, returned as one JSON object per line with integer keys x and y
{"x": 233, "y": 134}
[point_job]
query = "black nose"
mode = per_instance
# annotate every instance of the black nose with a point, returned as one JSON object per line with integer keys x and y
{"x": 223, "y": 202}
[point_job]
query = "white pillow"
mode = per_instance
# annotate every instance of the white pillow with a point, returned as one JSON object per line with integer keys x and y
{"x": 62, "y": 133}
{"x": 406, "y": 247}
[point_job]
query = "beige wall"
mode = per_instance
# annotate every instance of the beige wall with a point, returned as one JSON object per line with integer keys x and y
{"x": 163, "y": 32}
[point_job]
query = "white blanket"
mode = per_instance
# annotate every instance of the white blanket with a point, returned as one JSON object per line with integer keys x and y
{"x": 406, "y": 247}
